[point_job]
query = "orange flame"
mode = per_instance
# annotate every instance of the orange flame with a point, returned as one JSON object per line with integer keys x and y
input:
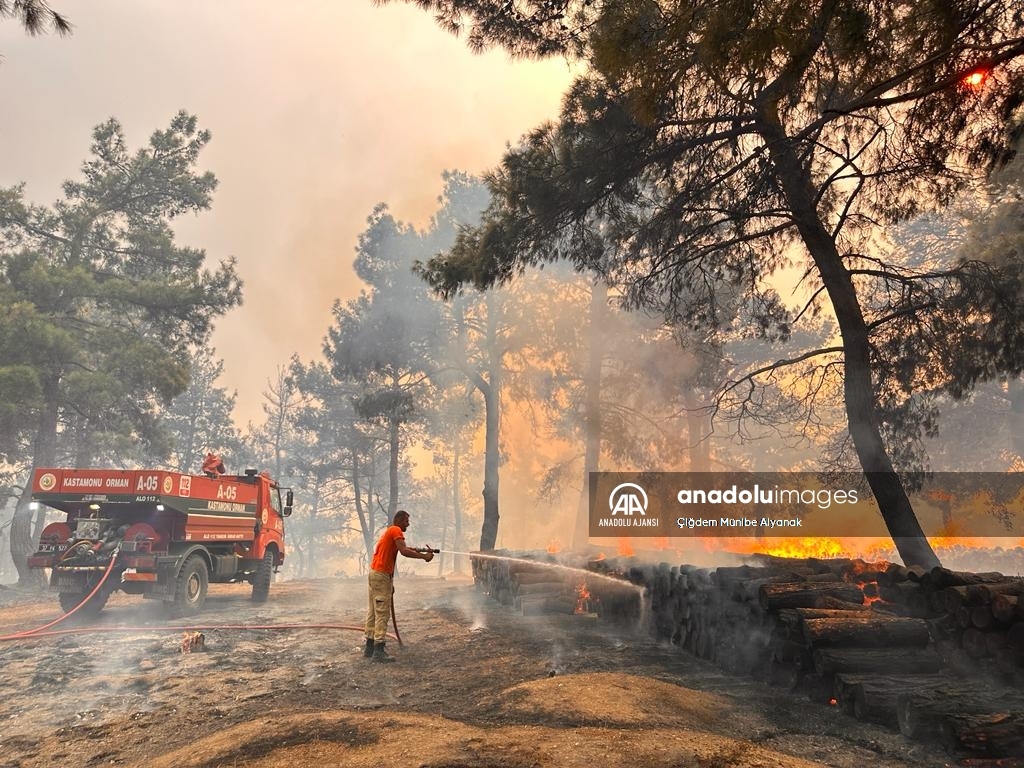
{"x": 554, "y": 546}
{"x": 976, "y": 79}
{"x": 859, "y": 566}
{"x": 794, "y": 548}
{"x": 624, "y": 548}
{"x": 582, "y": 598}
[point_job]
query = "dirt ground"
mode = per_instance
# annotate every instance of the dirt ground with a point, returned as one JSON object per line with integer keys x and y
{"x": 474, "y": 685}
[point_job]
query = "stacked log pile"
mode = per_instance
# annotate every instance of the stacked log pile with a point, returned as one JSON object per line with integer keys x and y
{"x": 937, "y": 655}
{"x": 527, "y": 585}
{"x": 536, "y": 584}
{"x": 983, "y": 619}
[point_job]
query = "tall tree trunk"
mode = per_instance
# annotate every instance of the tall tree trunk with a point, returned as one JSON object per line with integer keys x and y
{"x": 1016, "y": 392}
{"x": 492, "y": 462}
{"x": 365, "y": 516}
{"x": 592, "y": 430}
{"x": 858, "y": 388}
{"x": 44, "y": 454}
{"x": 460, "y": 560}
{"x": 394, "y": 446}
{"x": 85, "y": 452}
{"x": 492, "y": 419}
{"x": 314, "y": 513}
{"x": 699, "y": 448}
{"x": 446, "y": 494}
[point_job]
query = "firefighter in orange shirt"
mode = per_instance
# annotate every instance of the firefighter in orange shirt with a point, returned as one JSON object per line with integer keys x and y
{"x": 213, "y": 467}
{"x": 382, "y": 571}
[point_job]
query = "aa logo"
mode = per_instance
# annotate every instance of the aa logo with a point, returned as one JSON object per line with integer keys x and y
{"x": 628, "y": 498}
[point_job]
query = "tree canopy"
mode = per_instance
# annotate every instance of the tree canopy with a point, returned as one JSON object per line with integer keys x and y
{"x": 36, "y": 16}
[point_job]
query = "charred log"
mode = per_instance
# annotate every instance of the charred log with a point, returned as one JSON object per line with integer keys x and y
{"x": 867, "y": 632}
{"x": 803, "y": 594}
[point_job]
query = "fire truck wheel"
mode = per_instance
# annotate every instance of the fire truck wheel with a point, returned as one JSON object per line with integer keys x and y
{"x": 71, "y": 600}
{"x": 190, "y": 588}
{"x": 261, "y": 581}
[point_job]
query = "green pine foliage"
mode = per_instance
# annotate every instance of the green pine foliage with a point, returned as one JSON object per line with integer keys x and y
{"x": 103, "y": 310}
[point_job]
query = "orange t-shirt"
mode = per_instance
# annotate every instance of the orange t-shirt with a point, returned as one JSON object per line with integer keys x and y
{"x": 386, "y": 551}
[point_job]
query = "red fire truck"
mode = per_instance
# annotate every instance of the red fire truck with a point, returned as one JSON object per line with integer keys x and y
{"x": 162, "y": 535}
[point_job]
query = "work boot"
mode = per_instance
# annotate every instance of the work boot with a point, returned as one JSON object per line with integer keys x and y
{"x": 368, "y": 650}
{"x": 380, "y": 654}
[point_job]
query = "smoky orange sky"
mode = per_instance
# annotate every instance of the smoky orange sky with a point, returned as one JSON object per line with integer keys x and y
{"x": 319, "y": 110}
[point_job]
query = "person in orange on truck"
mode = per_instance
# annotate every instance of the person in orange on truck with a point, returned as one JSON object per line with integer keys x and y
{"x": 213, "y": 467}
{"x": 382, "y": 571}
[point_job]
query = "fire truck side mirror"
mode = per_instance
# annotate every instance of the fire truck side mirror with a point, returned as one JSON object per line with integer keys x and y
{"x": 289, "y": 500}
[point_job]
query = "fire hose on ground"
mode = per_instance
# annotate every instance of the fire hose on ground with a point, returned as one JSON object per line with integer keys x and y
{"x": 394, "y": 621}
{"x": 31, "y": 634}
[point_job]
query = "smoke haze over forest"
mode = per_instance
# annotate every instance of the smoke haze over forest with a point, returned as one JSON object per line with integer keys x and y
{"x": 318, "y": 112}
{"x": 348, "y": 141}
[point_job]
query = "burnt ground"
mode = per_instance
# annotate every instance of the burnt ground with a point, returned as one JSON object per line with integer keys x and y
{"x": 475, "y": 685}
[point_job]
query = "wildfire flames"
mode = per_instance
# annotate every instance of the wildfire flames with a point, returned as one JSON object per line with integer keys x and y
{"x": 975, "y": 80}
{"x": 873, "y": 556}
{"x": 854, "y": 548}
{"x": 871, "y": 594}
{"x": 795, "y": 548}
{"x": 582, "y": 598}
